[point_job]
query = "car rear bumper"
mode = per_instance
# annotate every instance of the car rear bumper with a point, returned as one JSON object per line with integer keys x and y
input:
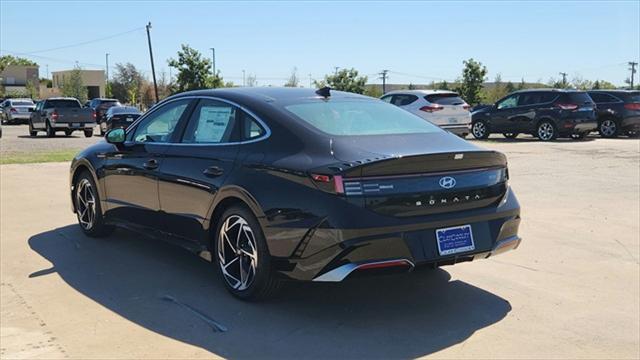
{"x": 578, "y": 126}
{"x": 18, "y": 116}
{"x": 630, "y": 123}
{"x": 457, "y": 129}
{"x": 403, "y": 247}
{"x": 73, "y": 126}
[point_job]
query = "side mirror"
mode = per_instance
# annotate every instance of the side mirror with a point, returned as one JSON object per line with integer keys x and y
{"x": 116, "y": 136}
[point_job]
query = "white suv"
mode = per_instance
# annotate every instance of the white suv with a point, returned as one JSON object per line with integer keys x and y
{"x": 443, "y": 108}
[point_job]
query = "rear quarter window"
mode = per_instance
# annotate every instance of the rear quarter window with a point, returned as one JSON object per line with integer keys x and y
{"x": 579, "y": 97}
{"x": 633, "y": 97}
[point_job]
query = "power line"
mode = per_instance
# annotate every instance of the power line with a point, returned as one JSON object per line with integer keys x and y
{"x": 84, "y": 42}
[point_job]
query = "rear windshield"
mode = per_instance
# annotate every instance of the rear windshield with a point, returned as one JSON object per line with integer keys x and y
{"x": 444, "y": 99}
{"x": 579, "y": 97}
{"x": 21, "y": 103}
{"x": 634, "y": 97}
{"x": 108, "y": 104}
{"x": 360, "y": 118}
{"x": 61, "y": 104}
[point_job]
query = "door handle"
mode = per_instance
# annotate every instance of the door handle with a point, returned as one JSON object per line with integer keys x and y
{"x": 213, "y": 171}
{"x": 152, "y": 164}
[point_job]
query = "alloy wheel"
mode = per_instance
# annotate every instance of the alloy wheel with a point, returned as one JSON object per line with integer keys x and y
{"x": 479, "y": 129}
{"x": 546, "y": 131}
{"x": 608, "y": 128}
{"x": 237, "y": 252}
{"x": 85, "y": 204}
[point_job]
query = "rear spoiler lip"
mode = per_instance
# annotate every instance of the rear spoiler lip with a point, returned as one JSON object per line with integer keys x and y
{"x": 424, "y": 174}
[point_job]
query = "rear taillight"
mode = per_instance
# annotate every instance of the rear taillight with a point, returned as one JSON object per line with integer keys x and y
{"x": 338, "y": 185}
{"x": 54, "y": 115}
{"x": 632, "y": 106}
{"x": 94, "y": 115}
{"x": 431, "y": 108}
{"x": 567, "y": 106}
{"x": 466, "y": 106}
{"x": 13, "y": 110}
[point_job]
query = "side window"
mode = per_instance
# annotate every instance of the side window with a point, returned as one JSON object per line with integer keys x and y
{"x": 39, "y": 106}
{"x": 250, "y": 127}
{"x": 212, "y": 122}
{"x": 510, "y": 102}
{"x": 548, "y": 97}
{"x": 600, "y": 98}
{"x": 159, "y": 125}
{"x": 529, "y": 99}
{"x": 387, "y": 98}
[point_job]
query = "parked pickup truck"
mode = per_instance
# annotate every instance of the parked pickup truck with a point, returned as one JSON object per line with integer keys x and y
{"x": 61, "y": 114}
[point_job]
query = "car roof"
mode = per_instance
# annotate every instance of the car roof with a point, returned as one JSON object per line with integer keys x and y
{"x": 20, "y": 99}
{"x": 619, "y": 91}
{"x": 548, "y": 90}
{"x": 62, "y": 98}
{"x": 420, "y": 92}
{"x": 270, "y": 94}
{"x": 124, "y": 109}
{"x": 105, "y": 99}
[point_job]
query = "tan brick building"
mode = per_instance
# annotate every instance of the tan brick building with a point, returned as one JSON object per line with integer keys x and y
{"x": 94, "y": 80}
{"x": 15, "y": 79}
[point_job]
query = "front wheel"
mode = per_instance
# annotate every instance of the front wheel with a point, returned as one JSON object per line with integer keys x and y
{"x": 547, "y": 131}
{"x": 480, "y": 130}
{"x": 88, "y": 208}
{"x": 608, "y": 128}
{"x": 68, "y": 132}
{"x": 510, "y": 135}
{"x": 242, "y": 257}
{"x": 32, "y": 132}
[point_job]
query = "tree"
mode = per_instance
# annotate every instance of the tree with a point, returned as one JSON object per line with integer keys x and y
{"x": 473, "y": 76}
{"x": 344, "y": 80}
{"x": 73, "y": 85}
{"x": 509, "y": 88}
{"x": 194, "y": 71}
{"x": 293, "y": 81}
{"x": 522, "y": 85}
{"x": 251, "y": 80}
{"x": 444, "y": 85}
{"x": 7, "y": 60}
{"x": 581, "y": 84}
{"x": 127, "y": 83}
{"x": 498, "y": 91}
{"x": 603, "y": 85}
{"x": 373, "y": 91}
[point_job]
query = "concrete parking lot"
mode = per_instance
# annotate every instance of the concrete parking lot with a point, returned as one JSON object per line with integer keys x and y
{"x": 572, "y": 289}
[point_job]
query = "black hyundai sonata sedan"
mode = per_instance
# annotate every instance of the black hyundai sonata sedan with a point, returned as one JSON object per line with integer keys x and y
{"x": 272, "y": 184}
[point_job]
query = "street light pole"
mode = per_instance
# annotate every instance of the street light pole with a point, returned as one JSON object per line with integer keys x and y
{"x": 153, "y": 69}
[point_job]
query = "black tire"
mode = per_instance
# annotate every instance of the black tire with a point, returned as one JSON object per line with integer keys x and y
{"x": 510, "y": 135}
{"x": 263, "y": 283}
{"x": 546, "y": 131}
{"x": 608, "y": 128}
{"x": 32, "y": 132}
{"x": 68, "y": 132}
{"x": 51, "y": 132}
{"x": 480, "y": 130}
{"x": 97, "y": 227}
{"x": 88, "y": 133}
{"x": 102, "y": 132}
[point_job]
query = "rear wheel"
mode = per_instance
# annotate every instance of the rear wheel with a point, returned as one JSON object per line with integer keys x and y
{"x": 480, "y": 130}
{"x": 510, "y": 135}
{"x": 88, "y": 210}
{"x": 608, "y": 128}
{"x": 88, "y": 133}
{"x": 51, "y": 132}
{"x": 242, "y": 257}
{"x": 547, "y": 131}
{"x": 68, "y": 132}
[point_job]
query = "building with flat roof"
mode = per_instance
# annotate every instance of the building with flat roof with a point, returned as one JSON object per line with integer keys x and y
{"x": 15, "y": 79}
{"x": 94, "y": 80}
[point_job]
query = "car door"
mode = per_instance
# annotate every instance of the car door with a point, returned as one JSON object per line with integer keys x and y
{"x": 525, "y": 115}
{"x": 195, "y": 169}
{"x": 131, "y": 170}
{"x": 37, "y": 118}
{"x": 502, "y": 114}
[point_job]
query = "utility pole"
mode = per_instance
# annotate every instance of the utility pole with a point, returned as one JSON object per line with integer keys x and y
{"x": 107, "y": 74}
{"x": 153, "y": 69}
{"x": 383, "y": 76}
{"x": 336, "y": 67}
{"x": 633, "y": 71}
{"x": 564, "y": 79}
{"x": 213, "y": 61}
{"x": 243, "y": 79}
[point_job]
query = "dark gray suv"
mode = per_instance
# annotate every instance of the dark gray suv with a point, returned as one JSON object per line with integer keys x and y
{"x": 543, "y": 113}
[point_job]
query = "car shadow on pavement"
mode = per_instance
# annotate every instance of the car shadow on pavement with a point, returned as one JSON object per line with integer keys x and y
{"x": 169, "y": 291}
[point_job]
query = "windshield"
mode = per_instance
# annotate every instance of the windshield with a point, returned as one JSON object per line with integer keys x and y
{"x": 21, "y": 103}
{"x": 360, "y": 118}
{"x": 445, "y": 99}
{"x": 61, "y": 104}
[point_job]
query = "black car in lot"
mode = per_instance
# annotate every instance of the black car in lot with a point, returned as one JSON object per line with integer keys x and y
{"x": 273, "y": 184}
{"x": 101, "y": 105}
{"x": 543, "y": 113}
{"x": 119, "y": 117}
{"x": 618, "y": 112}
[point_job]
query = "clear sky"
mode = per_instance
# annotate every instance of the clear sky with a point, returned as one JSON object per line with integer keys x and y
{"x": 417, "y": 41}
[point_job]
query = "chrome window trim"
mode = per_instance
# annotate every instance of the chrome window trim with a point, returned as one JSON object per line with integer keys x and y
{"x": 198, "y": 97}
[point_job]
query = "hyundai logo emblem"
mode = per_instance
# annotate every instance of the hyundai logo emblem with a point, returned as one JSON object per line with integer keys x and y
{"x": 447, "y": 182}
